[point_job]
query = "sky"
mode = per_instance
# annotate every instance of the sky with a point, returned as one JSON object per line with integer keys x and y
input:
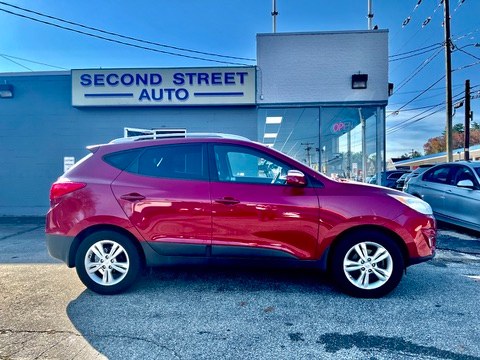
{"x": 229, "y": 28}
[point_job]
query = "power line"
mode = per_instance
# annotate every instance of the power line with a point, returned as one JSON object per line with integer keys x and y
{"x": 413, "y": 119}
{"x": 9, "y": 57}
{"x": 121, "y": 42}
{"x": 15, "y": 62}
{"x": 423, "y": 92}
{"x": 414, "y": 55}
{"x": 428, "y": 97}
{"x": 466, "y": 52}
{"x": 124, "y": 36}
{"x": 436, "y": 82}
{"x": 417, "y": 120}
{"x": 418, "y": 69}
{"x": 417, "y": 91}
{"x": 436, "y": 45}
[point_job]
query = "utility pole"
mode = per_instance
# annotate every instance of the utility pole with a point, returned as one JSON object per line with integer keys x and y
{"x": 308, "y": 147}
{"x": 274, "y": 15}
{"x": 448, "y": 70}
{"x": 370, "y": 15}
{"x": 467, "y": 120}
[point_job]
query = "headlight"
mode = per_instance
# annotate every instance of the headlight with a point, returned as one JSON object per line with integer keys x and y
{"x": 414, "y": 203}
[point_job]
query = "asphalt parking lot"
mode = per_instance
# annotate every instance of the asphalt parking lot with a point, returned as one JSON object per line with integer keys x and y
{"x": 235, "y": 312}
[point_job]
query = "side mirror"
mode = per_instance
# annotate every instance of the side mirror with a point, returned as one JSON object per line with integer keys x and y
{"x": 466, "y": 184}
{"x": 296, "y": 178}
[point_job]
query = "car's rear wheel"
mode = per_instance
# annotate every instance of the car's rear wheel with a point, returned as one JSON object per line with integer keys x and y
{"x": 367, "y": 264}
{"x": 107, "y": 262}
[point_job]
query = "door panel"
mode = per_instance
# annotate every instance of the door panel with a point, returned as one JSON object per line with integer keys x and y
{"x": 434, "y": 194}
{"x": 166, "y": 214}
{"x": 254, "y": 211}
{"x": 463, "y": 203}
{"x": 166, "y": 195}
{"x": 273, "y": 217}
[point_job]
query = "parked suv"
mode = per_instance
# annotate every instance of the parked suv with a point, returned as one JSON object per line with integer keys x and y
{"x": 145, "y": 203}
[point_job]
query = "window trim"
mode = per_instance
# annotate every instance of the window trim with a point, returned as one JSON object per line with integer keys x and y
{"x": 214, "y": 170}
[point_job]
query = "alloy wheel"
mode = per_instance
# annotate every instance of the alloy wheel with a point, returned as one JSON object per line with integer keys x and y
{"x": 107, "y": 262}
{"x": 368, "y": 265}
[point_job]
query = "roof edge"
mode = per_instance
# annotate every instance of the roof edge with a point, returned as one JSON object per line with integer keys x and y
{"x": 36, "y": 73}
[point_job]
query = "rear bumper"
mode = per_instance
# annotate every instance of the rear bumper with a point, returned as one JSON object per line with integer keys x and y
{"x": 59, "y": 247}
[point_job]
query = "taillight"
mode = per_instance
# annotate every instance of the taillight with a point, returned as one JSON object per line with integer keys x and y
{"x": 62, "y": 188}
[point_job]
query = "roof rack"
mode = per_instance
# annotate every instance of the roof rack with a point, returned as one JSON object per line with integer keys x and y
{"x": 136, "y": 134}
{"x": 155, "y": 133}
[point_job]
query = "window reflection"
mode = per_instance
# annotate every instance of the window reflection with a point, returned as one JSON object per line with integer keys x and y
{"x": 337, "y": 141}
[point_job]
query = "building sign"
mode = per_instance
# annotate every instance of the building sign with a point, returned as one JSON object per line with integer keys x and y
{"x": 68, "y": 162}
{"x": 341, "y": 127}
{"x": 163, "y": 87}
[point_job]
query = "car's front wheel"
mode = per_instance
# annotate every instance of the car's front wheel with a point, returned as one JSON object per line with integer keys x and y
{"x": 367, "y": 264}
{"x": 107, "y": 262}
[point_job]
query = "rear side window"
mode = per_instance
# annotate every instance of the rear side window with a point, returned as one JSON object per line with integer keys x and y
{"x": 122, "y": 159}
{"x": 185, "y": 161}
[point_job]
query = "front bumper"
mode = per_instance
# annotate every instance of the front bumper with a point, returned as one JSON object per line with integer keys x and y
{"x": 419, "y": 260}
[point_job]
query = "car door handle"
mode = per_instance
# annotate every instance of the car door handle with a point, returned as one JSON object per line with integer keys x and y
{"x": 227, "y": 200}
{"x": 132, "y": 197}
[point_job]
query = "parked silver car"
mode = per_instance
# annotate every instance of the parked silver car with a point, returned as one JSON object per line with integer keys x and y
{"x": 453, "y": 192}
{"x": 420, "y": 170}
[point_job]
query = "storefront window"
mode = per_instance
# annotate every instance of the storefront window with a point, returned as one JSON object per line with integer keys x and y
{"x": 346, "y": 142}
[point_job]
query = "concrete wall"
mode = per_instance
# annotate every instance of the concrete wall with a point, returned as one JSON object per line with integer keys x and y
{"x": 318, "y": 67}
{"x": 39, "y": 126}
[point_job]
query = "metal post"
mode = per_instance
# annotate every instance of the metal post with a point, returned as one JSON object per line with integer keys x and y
{"x": 274, "y": 15}
{"x": 381, "y": 146}
{"x": 467, "y": 120}
{"x": 370, "y": 15}
{"x": 448, "y": 70}
{"x": 364, "y": 145}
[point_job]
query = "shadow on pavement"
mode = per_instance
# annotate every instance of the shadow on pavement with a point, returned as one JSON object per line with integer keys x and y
{"x": 454, "y": 238}
{"x": 206, "y": 311}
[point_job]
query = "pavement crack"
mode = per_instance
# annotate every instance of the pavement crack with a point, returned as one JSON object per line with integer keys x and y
{"x": 136, "y": 338}
{"x": 48, "y": 349}
{"x": 21, "y": 232}
{"x": 49, "y": 331}
{"x": 89, "y": 336}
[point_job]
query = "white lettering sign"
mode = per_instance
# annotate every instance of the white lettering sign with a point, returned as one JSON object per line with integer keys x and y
{"x": 160, "y": 87}
{"x": 68, "y": 162}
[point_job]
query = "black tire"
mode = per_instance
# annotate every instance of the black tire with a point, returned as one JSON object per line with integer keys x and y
{"x": 357, "y": 273}
{"x": 113, "y": 273}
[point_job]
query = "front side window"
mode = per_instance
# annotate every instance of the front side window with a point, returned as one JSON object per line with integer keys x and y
{"x": 185, "y": 161}
{"x": 438, "y": 175}
{"x": 464, "y": 173}
{"x": 241, "y": 164}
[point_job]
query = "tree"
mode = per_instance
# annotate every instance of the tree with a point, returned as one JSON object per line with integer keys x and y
{"x": 434, "y": 145}
{"x": 437, "y": 144}
{"x": 413, "y": 154}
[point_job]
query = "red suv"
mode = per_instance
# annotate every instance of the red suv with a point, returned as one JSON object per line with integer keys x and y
{"x": 151, "y": 202}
